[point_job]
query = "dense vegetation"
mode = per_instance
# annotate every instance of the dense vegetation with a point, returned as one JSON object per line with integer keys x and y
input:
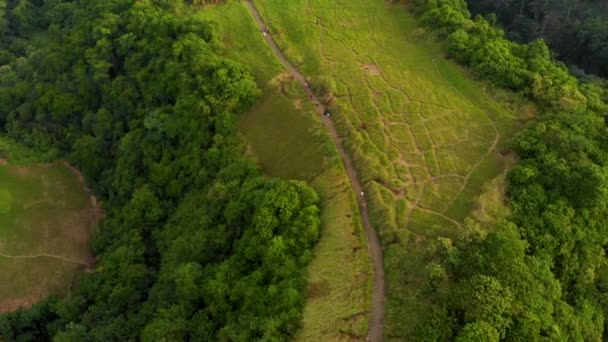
{"x": 576, "y": 29}
{"x": 541, "y": 273}
{"x": 196, "y": 244}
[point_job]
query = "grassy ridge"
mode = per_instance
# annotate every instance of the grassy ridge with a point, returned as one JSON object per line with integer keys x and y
{"x": 287, "y": 139}
{"x": 424, "y": 136}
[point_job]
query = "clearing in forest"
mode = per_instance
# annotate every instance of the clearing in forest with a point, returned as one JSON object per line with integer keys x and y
{"x": 287, "y": 138}
{"x": 46, "y": 217}
{"x": 425, "y": 138}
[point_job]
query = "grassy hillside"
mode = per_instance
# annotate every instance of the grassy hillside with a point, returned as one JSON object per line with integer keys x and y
{"x": 426, "y": 139}
{"x": 46, "y": 217}
{"x": 285, "y": 136}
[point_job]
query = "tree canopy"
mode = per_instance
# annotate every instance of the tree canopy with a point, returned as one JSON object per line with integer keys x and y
{"x": 197, "y": 245}
{"x": 576, "y": 29}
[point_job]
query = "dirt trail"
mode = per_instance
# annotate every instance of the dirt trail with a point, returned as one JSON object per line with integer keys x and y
{"x": 376, "y": 323}
{"x": 52, "y": 256}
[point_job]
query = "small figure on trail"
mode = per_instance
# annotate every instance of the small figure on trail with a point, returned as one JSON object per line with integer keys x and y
{"x": 311, "y": 97}
{"x": 327, "y": 114}
{"x": 362, "y": 193}
{"x": 317, "y": 103}
{"x": 306, "y": 85}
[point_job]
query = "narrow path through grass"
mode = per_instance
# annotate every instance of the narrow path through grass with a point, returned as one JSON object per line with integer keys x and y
{"x": 376, "y": 322}
{"x": 53, "y": 256}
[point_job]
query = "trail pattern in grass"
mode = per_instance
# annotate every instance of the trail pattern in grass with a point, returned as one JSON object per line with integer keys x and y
{"x": 46, "y": 217}
{"x": 286, "y": 137}
{"x": 424, "y": 137}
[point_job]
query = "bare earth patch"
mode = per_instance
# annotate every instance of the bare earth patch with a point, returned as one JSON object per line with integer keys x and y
{"x": 14, "y": 304}
{"x": 528, "y": 112}
{"x": 318, "y": 289}
{"x": 21, "y": 171}
{"x": 371, "y": 69}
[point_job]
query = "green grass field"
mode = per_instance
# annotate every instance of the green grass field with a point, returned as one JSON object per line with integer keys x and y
{"x": 424, "y": 136}
{"x": 286, "y": 137}
{"x": 46, "y": 217}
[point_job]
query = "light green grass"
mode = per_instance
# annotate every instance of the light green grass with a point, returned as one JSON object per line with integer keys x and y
{"x": 424, "y": 136}
{"x": 46, "y": 217}
{"x": 287, "y": 138}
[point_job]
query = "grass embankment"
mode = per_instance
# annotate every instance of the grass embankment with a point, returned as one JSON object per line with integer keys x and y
{"x": 46, "y": 217}
{"x": 425, "y": 138}
{"x": 286, "y": 137}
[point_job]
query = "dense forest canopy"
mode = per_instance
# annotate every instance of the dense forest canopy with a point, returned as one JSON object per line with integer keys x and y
{"x": 196, "y": 244}
{"x": 577, "y": 30}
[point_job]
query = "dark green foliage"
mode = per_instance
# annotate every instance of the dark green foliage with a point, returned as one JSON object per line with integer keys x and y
{"x": 31, "y": 324}
{"x": 227, "y": 284}
{"x": 521, "y": 67}
{"x": 541, "y": 273}
{"x": 576, "y": 29}
{"x": 196, "y": 244}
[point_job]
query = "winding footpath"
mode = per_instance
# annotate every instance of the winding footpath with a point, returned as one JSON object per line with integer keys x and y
{"x": 52, "y": 256}
{"x": 375, "y": 250}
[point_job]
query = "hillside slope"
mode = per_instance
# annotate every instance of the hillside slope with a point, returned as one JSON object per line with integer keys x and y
{"x": 424, "y": 137}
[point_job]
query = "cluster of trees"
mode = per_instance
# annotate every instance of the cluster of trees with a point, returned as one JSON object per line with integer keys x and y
{"x": 480, "y": 45}
{"x": 197, "y": 245}
{"x": 542, "y": 272}
{"x": 576, "y": 29}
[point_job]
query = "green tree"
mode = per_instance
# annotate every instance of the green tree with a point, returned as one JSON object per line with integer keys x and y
{"x": 478, "y": 332}
{"x": 484, "y": 298}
